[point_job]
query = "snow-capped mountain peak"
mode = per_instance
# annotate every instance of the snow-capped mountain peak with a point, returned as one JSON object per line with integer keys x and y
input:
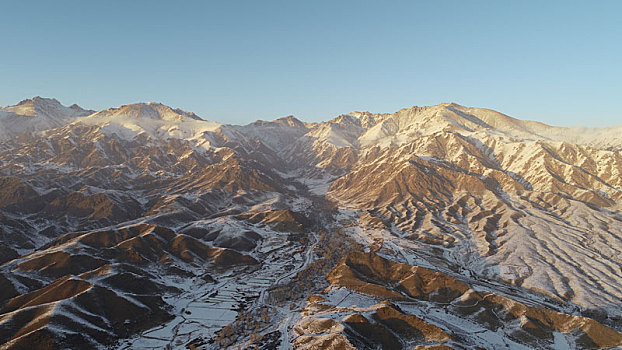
{"x": 154, "y": 120}
{"x": 37, "y": 114}
{"x": 409, "y": 123}
{"x": 45, "y": 107}
{"x": 149, "y": 110}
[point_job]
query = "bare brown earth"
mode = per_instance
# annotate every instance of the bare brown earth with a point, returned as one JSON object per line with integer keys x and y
{"x": 383, "y": 325}
{"x": 370, "y": 274}
{"x": 103, "y": 298}
{"x": 280, "y": 220}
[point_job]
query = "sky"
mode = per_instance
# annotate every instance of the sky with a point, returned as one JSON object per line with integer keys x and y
{"x": 559, "y": 62}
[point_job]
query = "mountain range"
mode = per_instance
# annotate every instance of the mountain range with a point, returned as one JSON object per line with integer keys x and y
{"x": 439, "y": 227}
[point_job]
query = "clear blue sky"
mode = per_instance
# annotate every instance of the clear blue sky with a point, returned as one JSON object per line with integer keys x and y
{"x": 559, "y": 62}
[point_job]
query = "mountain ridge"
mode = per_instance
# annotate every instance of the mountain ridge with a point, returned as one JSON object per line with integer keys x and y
{"x": 377, "y": 128}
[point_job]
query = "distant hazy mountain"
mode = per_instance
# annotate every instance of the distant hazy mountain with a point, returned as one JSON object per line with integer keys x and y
{"x": 441, "y": 227}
